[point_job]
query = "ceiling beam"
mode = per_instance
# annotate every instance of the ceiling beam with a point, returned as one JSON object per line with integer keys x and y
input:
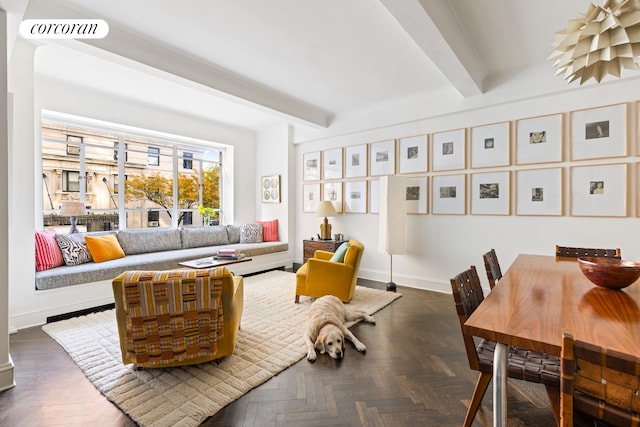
{"x": 434, "y": 26}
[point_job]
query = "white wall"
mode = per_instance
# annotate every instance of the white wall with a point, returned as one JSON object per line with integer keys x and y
{"x": 441, "y": 246}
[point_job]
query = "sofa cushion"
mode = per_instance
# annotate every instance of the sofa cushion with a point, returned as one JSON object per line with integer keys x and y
{"x": 104, "y": 248}
{"x": 196, "y": 237}
{"x": 269, "y": 230}
{"x": 48, "y": 254}
{"x": 251, "y": 233}
{"x": 234, "y": 233}
{"x": 74, "y": 248}
{"x": 145, "y": 240}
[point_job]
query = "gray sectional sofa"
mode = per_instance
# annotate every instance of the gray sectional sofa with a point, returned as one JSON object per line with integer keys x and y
{"x": 161, "y": 249}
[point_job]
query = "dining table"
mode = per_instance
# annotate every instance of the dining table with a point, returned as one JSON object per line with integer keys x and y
{"x": 541, "y": 297}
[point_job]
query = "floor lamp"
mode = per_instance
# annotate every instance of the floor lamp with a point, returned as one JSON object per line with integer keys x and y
{"x": 73, "y": 209}
{"x": 392, "y": 232}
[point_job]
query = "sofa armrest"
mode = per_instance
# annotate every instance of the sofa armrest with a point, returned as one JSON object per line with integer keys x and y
{"x": 321, "y": 270}
{"x": 324, "y": 255}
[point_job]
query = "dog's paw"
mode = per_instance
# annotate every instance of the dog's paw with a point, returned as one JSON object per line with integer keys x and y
{"x": 311, "y": 356}
{"x": 370, "y": 319}
{"x": 360, "y": 347}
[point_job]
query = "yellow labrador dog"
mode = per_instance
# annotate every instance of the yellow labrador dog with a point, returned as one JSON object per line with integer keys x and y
{"x": 326, "y": 328}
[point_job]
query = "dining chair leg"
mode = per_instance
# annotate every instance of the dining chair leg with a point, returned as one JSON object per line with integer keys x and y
{"x": 476, "y": 400}
{"x": 554, "y": 399}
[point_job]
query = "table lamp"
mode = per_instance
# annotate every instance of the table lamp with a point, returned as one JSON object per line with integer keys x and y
{"x": 325, "y": 209}
{"x": 73, "y": 209}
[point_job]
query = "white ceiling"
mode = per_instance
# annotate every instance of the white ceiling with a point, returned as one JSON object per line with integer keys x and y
{"x": 253, "y": 63}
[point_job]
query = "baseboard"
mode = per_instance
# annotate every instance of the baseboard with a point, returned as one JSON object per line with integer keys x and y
{"x": 82, "y": 312}
{"x": 7, "y": 379}
{"x": 406, "y": 280}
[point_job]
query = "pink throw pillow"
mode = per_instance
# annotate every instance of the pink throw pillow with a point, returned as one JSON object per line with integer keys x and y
{"x": 269, "y": 230}
{"x": 48, "y": 254}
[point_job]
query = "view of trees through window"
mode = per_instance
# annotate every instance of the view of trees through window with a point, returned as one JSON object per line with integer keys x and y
{"x": 164, "y": 182}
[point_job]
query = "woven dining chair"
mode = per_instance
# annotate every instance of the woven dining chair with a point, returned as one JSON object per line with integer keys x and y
{"x": 598, "y": 384}
{"x": 571, "y": 252}
{"x": 522, "y": 364}
{"x": 492, "y": 266}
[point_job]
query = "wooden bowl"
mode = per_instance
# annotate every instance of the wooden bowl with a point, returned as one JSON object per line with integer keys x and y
{"x": 609, "y": 273}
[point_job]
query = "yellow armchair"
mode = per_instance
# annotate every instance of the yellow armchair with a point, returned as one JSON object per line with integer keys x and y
{"x": 172, "y": 318}
{"x": 319, "y": 276}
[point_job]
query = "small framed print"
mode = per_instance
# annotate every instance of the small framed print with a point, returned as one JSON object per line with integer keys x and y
{"x": 382, "y": 158}
{"x": 355, "y": 197}
{"x": 333, "y": 191}
{"x": 270, "y": 188}
{"x": 310, "y": 197}
{"x": 449, "y": 195}
{"x": 599, "y": 190}
{"x": 416, "y": 195}
{"x": 311, "y": 166}
{"x": 374, "y": 196}
{"x": 490, "y": 145}
{"x": 490, "y": 193}
{"x": 448, "y": 150}
{"x": 332, "y": 164}
{"x": 599, "y": 132}
{"x": 355, "y": 159}
{"x": 413, "y": 154}
{"x": 539, "y": 139}
{"x": 539, "y": 192}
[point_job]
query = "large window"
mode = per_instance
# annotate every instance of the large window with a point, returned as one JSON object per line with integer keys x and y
{"x": 132, "y": 179}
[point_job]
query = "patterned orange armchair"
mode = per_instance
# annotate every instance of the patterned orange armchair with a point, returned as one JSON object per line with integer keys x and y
{"x": 321, "y": 276}
{"x": 177, "y": 317}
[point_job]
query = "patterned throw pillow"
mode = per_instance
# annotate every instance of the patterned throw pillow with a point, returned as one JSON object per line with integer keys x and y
{"x": 74, "y": 249}
{"x": 251, "y": 233}
{"x": 48, "y": 253}
{"x": 269, "y": 230}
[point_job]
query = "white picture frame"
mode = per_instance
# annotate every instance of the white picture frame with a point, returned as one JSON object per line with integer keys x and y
{"x": 416, "y": 195}
{"x": 355, "y": 197}
{"x": 413, "y": 154}
{"x": 599, "y": 190}
{"x": 599, "y": 132}
{"x": 539, "y": 192}
{"x": 382, "y": 157}
{"x": 448, "y": 150}
{"x": 270, "y": 189}
{"x": 311, "y": 166}
{"x": 449, "y": 194}
{"x": 310, "y": 197}
{"x": 332, "y": 191}
{"x": 490, "y": 145}
{"x": 332, "y": 164}
{"x": 374, "y": 196}
{"x": 356, "y": 161}
{"x": 490, "y": 193}
{"x": 539, "y": 139}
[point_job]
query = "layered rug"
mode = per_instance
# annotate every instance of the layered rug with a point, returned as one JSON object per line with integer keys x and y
{"x": 269, "y": 341}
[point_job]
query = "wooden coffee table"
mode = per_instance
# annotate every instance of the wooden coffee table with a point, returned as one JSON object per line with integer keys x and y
{"x": 209, "y": 262}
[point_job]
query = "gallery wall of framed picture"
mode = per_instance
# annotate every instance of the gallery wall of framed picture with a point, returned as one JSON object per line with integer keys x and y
{"x": 576, "y": 163}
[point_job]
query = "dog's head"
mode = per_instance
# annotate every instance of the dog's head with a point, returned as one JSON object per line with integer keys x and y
{"x": 331, "y": 341}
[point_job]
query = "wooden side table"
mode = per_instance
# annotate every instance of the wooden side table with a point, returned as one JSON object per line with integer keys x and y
{"x": 311, "y": 246}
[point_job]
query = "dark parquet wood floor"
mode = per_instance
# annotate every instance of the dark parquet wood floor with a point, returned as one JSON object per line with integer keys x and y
{"x": 414, "y": 373}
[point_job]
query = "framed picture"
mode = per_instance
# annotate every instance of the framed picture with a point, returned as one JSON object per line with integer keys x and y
{"x": 270, "y": 188}
{"x": 490, "y": 145}
{"x": 490, "y": 193}
{"x": 416, "y": 195}
{"x": 539, "y": 192}
{"x": 382, "y": 158}
{"x": 413, "y": 154}
{"x": 374, "y": 196}
{"x": 310, "y": 197}
{"x": 355, "y": 197}
{"x": 449, "y": 195}
{"x": 599, "y": 132}
{"x": 539, "y": 139}
{"x": 599, "y": 190}
{"x": 355, "y": 159}
{"x": 332, "y": 164}
{"x": 333, "y": 191}
{"x": 311, "y": 166}
{"x": 448, "y": 150}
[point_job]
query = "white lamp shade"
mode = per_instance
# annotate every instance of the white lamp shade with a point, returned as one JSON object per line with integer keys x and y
{"x": 326, "y": 209}
{"x": 72, "y": 208}
{"x": 392, "y": 233}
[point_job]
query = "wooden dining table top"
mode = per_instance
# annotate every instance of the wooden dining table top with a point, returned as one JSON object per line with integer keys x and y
{"x": 540, "y": 297}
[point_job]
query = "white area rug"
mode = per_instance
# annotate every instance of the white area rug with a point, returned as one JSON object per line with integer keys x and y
{"x": 269, "y": 341}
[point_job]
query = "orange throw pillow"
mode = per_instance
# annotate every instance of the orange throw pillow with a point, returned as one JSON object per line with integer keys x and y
{"x": 104, "y": 248}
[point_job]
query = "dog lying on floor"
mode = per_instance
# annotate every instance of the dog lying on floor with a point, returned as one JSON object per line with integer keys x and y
{"x": 326, "y": 328}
